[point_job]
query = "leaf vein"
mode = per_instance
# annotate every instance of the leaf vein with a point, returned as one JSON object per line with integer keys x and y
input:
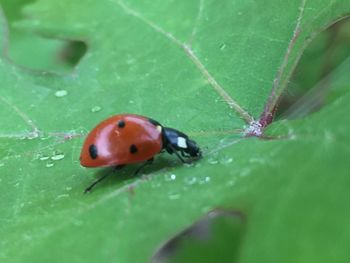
{"x": 189, "y": 52}
{"x": 198, "y": 18}
{"x": 266, "y": 116}
{"x": 35, "y": 130}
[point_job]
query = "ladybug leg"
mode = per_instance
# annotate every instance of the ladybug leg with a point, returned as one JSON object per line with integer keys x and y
{"x": 186, "y": 155}
{"x": 148, "y": 162}
{"x": 171, "y": 150}
{"x": 88, "y": 189}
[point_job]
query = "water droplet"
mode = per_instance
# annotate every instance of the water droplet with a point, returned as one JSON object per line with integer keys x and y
{"x": 190, "y": 180}
{"x": 33, "y": 135}
{"x": 96, "y": 109}
{"x": 223, "y": 141}
{"x": 198, "y": 165}
{"x": 131, "y": 101}
{"x": 49, "y": 164}
{"x": 170, "y": 177}
{"x": 230, "y": 183}
{"x": 27, "y": 237}
{"x": 222, "y": 46}
{"x": 226, "y": 160}
{"x": 58, "y": 156}
{"x": 173, "y": 196}
{"x": 61, "y": 93}
{"x": 43, "y": 158}
{"x": 78, "y": 222}
{"x": 212, "y": 160}
{"x": 68, "y": 188}
{"x": 191, "y": 164}
{"x": 244, "y": 172}
{"x": 204, "y": 180}
{"x": 62, "y": 196}
{"x": 156, "y": 185}
{"x": 130, "y": 61}
{"x": 257, "y": 160}
{"x": 2, "y": 164}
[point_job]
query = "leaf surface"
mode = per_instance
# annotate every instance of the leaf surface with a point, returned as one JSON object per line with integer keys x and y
{"x": 207, "y": 68}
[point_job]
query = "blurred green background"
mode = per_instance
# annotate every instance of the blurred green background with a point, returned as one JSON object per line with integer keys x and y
{"x": 313, "y": 74}
{"x": 35, "y": 51}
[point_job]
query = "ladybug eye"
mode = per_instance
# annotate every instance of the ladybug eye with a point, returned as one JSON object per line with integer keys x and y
{"x": 121, "y": 124}
{"x": 93, "y": 151}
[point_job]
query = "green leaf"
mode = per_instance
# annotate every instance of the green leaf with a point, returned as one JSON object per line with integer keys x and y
{"x": 207, "y": 68}
{"x": 27, "y": 48}
{"x": 217, "y": 235}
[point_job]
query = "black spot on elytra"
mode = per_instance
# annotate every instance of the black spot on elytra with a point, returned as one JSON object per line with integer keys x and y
{"x": 93, "y": 151}
{"x": 155, "y": 123}
{"x": 133, "y": 148}
{"x": 121, "y": 124}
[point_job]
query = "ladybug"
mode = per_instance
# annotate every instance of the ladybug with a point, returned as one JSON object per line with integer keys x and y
{"x": 129, "y": 139}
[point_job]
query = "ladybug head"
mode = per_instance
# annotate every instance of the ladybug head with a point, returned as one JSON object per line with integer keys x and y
{"x": 174, "y": 140}
{"x": 193, "y": 149}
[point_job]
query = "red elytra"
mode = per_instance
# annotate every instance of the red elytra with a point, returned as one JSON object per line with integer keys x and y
{"x": 122, "y": 139}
